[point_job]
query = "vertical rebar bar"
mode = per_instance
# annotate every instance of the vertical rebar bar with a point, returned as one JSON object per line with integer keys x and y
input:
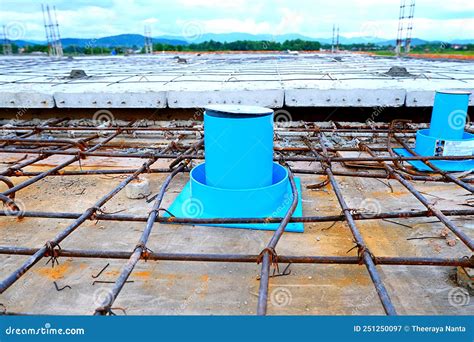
{"x": 363, "y": 250}
{"x": 267, "y": 257}
{"x": 140, "y": 248}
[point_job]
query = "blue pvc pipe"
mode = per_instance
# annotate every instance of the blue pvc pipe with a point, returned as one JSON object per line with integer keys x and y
{"x": 238, "y": 147}
{"x": 448, "y": 118}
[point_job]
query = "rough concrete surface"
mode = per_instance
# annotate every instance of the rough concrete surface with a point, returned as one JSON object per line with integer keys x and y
{"x": 229, "y": 288}
{"x": 272, "y": 80}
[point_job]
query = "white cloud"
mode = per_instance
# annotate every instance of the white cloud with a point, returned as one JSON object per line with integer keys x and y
{"x": 228, "y": 25}
{"x": 290, "y": 22}
{"x": 434, "y": 19}
{"x": 216, "y": 4}
{"x": 150, "y": 21}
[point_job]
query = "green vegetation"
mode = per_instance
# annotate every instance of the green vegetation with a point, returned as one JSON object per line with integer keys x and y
{"x": 385, "y": 53}
{"x": 443, "y": 48}
{"x": 243, "y": 45}
{"x": 440, "y": 48}
{"x": 73, "y": 50}
{"x": 247, "y": 45}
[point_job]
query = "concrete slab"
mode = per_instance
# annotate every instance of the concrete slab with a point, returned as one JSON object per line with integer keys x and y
{"x": 26, "y": 96}
{"x": 229, "y": 288}
{"x": 345, "y": 97}
{"x": 306, "y": 80}
{"x": 192, "y": 99}
{"x": 114, "y": 96}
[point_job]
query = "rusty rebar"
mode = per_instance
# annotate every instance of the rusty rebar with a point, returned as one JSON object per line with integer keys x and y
{"x": 49, "y": 248}
{"x": 269, "y": 256}
{"x": 362, "y": 249}
{"x": 431, "y": 208}
{"x": 249, "y": 220}
{"x": 247, "y": 258}
{"x": 140, "y": 249}
{"x": 151, "y": 154}
{"x": 445, "y": 174}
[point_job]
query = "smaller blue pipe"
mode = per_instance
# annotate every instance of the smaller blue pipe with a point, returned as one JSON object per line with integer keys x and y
{"x": 448, "y": 118}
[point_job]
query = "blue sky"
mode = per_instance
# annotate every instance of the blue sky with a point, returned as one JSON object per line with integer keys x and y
{"x": 435, "y": 19}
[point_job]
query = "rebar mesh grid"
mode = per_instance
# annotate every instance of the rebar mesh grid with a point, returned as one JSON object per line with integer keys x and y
{"x": 302, "y": 142}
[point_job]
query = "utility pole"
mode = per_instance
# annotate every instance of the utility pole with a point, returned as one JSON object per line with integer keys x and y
{"x": 337, "y": 39}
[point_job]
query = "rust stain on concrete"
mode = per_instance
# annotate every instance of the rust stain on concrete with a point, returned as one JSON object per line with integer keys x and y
{"x": 57, "y": 272}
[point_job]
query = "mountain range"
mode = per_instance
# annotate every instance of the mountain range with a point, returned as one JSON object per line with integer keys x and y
{"x": 137, "y": 40}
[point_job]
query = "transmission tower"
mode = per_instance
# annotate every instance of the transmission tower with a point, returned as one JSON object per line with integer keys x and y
{"x": 52, "y": 32}
{"x": 401, "y": 19}
{"x": 148, "y": 40}
{"x": 411, "y": 14}
{"x": 59, "y": 45}
{"x": 46, "y": 30}
{"x": 7, "y": 46}
{"x": 333, "y": 33}
{"x": 337, "y": 39}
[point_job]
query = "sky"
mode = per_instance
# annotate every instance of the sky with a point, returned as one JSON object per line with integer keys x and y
{"x": 434, "y": 19}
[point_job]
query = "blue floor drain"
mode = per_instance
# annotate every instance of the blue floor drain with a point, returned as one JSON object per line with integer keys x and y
{"x": 239, "y": 178}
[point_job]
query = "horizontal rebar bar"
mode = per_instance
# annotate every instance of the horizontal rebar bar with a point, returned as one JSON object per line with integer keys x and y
{"x": 194, "y": 156}
{"x": 247, "y": 258}
{"x": 85, "y": 172}
{"x": 249, "y": 220}
{"x": 151, "y": 129}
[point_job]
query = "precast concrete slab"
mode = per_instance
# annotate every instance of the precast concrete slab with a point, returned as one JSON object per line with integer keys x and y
{"x": 196, "y": 80}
